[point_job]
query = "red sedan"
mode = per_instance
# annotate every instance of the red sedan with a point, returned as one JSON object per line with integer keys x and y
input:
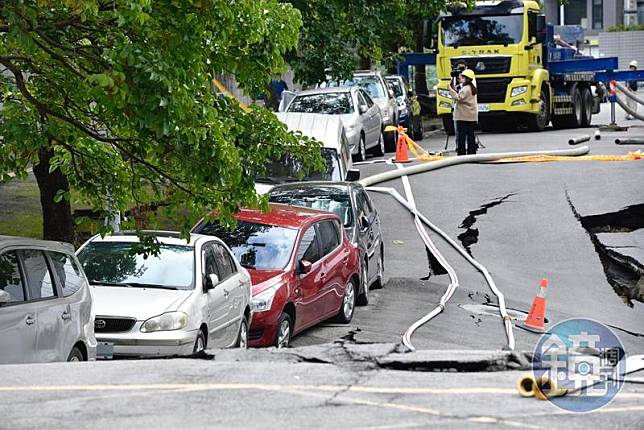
{"x": 303, "y": 268}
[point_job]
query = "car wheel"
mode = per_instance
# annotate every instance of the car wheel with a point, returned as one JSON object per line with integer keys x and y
{"x": 348, "y": 303}
{"x": 363, "y": 298}
{"x": 75, "y": 355}
{"x": 284, "y": 330}
{"x": 242, "y": 336}
{"x": 379, "y": 149}
{"x": 380, "y": 281}
{"x": 200, "y": 342}
{"x": 362, "y": 150}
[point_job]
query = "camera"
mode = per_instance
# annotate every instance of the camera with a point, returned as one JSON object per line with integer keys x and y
{"x": 457, "y": 70}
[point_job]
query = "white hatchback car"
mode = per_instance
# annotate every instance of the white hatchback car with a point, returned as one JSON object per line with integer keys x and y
{"x": 188, "y": 296}
{"x": 45, "y": 303}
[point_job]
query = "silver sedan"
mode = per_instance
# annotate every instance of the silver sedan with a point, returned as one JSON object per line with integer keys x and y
{"x": 360, "y": 115}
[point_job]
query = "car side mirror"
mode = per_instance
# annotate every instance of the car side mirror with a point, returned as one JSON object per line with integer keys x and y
{"x": 4, "y": 297}
{"x": 363, "y": 109}
{"x": 541, "y": 28}
{"x": 391, "y": 94}
{"x": 304, "y": 267}
{"x": 353, "y": 175}
{"x": 211, "y": 281}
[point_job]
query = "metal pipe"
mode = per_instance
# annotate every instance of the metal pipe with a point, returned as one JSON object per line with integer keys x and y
{"x": 630, "y": 141}
{"x": 579, "y": 139}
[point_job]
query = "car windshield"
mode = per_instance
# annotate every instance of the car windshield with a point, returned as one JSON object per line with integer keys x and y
{"x": 118, "y": 263}
{"x": 256, "y": 246}
{"x": 482, "y": 30}
{"x": 371, "y": 84}
{"x": 289, "y": 169}
{"x": 395, "y": 85}
{"x": 325, "y": 103}
{"x": 323, "y": 199}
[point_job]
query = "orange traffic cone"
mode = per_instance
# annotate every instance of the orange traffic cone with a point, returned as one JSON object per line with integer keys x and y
{"x": 537, "y": 314}
{"x": 401, "y": 150}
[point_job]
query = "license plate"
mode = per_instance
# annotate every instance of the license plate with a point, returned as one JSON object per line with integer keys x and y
{"x": 484, "y": 107}
{"x": 104, "y": 350}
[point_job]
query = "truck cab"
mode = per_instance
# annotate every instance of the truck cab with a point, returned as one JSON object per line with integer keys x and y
{"x": 499, "y": 41}
{"x": 525, "y": 73}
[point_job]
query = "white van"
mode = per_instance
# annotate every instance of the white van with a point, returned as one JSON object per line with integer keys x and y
{"x": 327, "y": 129}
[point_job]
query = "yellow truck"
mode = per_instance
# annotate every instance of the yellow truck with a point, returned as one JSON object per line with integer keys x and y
{"x": 526, "y": 75}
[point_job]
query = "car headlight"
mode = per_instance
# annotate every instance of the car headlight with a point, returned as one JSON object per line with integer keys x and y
{"x": 444, "y": 93}
{"x": 517, "y": 91}
{"x": 263, "y": 301}
{"x": 165, "y": 322}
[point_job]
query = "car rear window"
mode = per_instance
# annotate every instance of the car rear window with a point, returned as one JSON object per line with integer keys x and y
{"x": 322, "y": 199}
{"x": 326, "y": 103}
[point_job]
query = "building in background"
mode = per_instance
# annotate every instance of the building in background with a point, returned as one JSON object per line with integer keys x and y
{"x": 594, "y": 15}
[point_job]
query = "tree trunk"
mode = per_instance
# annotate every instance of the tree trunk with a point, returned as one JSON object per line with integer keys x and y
{"x": 365, "y": 63}
{"x": 58, "y": 223}
{"x": 420, "y": 81}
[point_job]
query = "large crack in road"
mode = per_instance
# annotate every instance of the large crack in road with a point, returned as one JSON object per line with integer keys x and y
{"x": 623, "y": 272}
{"x": 471, "y": 235}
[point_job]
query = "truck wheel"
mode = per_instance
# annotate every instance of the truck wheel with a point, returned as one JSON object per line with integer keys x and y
{"x": 448, "y": 125}
{"x": 573, "y": 120}
{"x": 587, "y": 111}
{"x": 577, "y": 109}
{"x": 539, "y": 121}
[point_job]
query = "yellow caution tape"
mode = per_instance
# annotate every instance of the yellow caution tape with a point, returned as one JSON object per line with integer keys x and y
{"x": 224, "y": 90}
{"x": 631, "y": 156}
{"x": 422, "y": 154}
{"x": 419, "y": 152}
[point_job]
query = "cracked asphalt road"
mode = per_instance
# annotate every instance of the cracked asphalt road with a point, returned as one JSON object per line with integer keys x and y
{"x": 355, "y": 384}
{"x": 269, "y": 389}
{"x": 531, "y": 235}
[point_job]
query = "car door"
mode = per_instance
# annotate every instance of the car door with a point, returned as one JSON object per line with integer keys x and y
{"x": 375, "y": 117}
{"x": 43, "y": 292}
{"x": 216, "y": 303}
{"x": 333, "y": 261}
{"x": 69, "y": 277}
{"x": 309, "y": 285}
{"x": 232, "y": 285}
{"x": 368, "y": 225}
{"x": 17, "y": 315}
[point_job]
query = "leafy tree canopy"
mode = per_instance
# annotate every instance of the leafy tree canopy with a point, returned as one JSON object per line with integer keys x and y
{"x": 119, "y": 93}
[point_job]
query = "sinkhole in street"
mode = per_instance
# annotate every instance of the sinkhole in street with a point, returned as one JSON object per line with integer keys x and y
{"x": 471, "y": 235}
{"x": 623, "y": 272}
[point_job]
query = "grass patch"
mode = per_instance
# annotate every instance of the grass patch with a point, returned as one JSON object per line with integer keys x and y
{"x": 21, "y": 213}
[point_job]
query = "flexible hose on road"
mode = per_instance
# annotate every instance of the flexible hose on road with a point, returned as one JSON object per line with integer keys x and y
{"x": 463, "y": 159}
{"x": 628, "y": 93}
{"x": 502, "y": 309}
{"x": 628, "y": 109}
{"x": 439, "y": 257}
{"x": 403, "y": 172}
